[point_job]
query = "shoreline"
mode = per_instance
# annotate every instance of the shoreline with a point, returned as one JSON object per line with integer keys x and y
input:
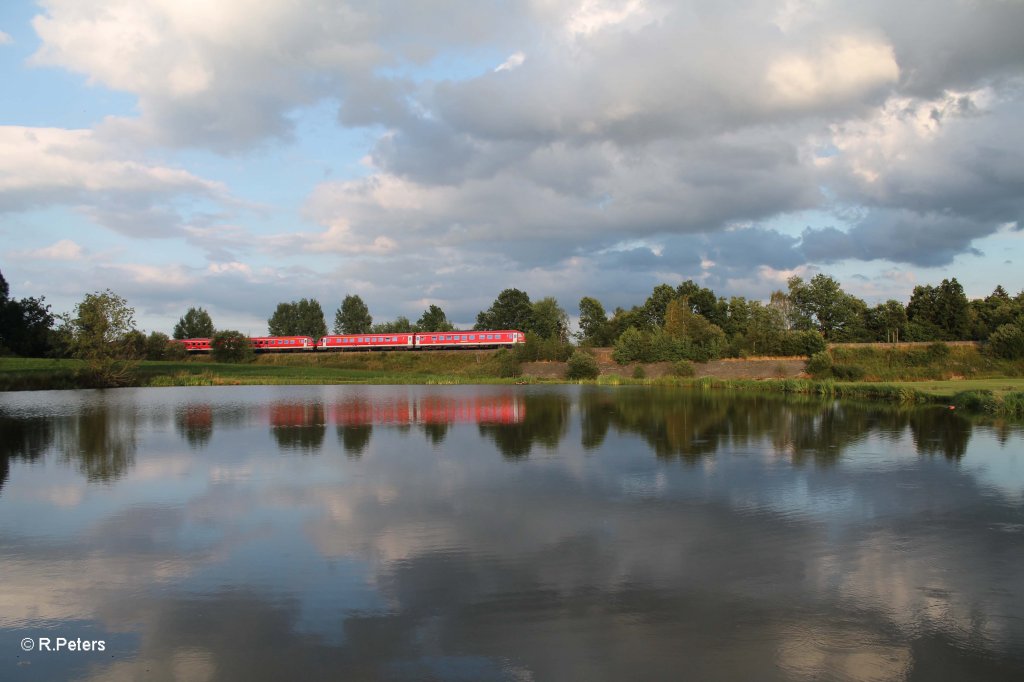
{"x": 993, "y": 396}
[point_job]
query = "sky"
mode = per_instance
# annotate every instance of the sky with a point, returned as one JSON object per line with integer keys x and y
{"x": 236, "y": 154}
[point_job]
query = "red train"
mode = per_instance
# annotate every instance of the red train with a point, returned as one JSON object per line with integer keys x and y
{"x": 504, "y": 338}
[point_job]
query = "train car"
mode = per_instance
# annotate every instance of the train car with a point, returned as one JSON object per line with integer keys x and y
{"x": 282, "y": 343}
{"x": 456, "y": 340}
{"x": 195, "y": 345}
{"x": 346, "y": 342}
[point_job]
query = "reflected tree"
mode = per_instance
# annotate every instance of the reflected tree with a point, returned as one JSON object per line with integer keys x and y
{"x": 544, "y": 423}
{"x": 24, "y": 438}
{"x": 298, "y": 426}
{"x": 940, "y": 432}
{"x": 355, "y": 438}
{"x": 101, "y": 441}
{"x": 194, "y": 423}
{"x": 597, "y": 410}
{"x": 436, "y": 432}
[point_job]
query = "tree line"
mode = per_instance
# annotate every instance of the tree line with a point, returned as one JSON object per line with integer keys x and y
{"x": 684, "y": 322}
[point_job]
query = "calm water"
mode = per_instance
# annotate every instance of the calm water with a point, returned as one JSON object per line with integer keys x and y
{"x": 505, "y": 533}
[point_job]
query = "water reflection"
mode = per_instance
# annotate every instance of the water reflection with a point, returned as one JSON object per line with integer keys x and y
{"x": 693, "y": 425}
{"x": 22, "y": 438}
{"x": 544, "y": 423}
{"x": 195, "y": 424}
{"x": 802, "y": 539}
{"x": 100, "y": 440}
{"x": 298, "y": 426}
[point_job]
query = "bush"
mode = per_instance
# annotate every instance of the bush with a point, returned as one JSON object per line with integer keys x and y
{"x": 1007, "y": 342}
{"x": 508, "y": 363}
{"x": 582, "y": 365}
{"x": 937, "y": 351}
{"x": 683, "y": 368}
{"x": 173, "y": 351}
{"x": 806, "y": 342}
{"x": 848, "y": 372}
{"x": 639, "y": 372}
{"x": 819, "y": 364}
{"x": 231, "y": 346}
{"x": 976, "y": 401}
{"x": 631, "y": 346}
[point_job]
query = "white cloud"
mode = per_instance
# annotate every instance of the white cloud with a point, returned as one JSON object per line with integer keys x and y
{"x": 847, "y": 67}
{"x": 514, "y": 61}
{"x": 65, "y": 249}
{"x": 53, "y": 166}
{"x": 5, "y": 38}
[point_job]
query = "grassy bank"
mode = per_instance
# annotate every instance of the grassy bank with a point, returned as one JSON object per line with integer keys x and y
{"x": 350, "y": 368}
{"x": 932, "y": 362}
{"x": 997, "y": 395}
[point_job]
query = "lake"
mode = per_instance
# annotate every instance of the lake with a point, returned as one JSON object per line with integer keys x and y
{"x": 504, "y": 533}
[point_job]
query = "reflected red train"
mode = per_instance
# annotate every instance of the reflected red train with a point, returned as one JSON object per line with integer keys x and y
{"x": 503, "y": 338}
{"x": 430, "y": 409}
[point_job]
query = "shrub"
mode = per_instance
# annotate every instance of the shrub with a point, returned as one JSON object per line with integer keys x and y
{"x": 937, "y": 351}
{"x": 631, "y": 346}
{"x": 173, "y": 351}
{"x": 231, "y": 346}
{"x": 848, "y": 372}
{"x": 683, "y": 368}
{"x": 806, "y": 342}
{"x": 1007, "y": 342}
{"x": 976, "y": 401}
{"x": 819, "y": 364}
{"x": 508, "y": 363}
{"x": 582, "y": 365}
{"x": 639, "y": 372}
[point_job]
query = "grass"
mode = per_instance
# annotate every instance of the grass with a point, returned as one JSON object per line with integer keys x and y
{"x": 981, "y": 391}
{"x": 947, "y": 389}
{"x": 334, "y": 368}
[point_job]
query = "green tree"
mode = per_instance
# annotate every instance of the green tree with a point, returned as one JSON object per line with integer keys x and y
{"x": 1007, "y": 342}
{"x": 944, "y": 307}
{"x": 549, "y": 320}
{"x": 194, "y": 324}
{"x": 298, "y": 318}
{"x": 887, "y": 321}
{"x": 400, "y": 325}
{"x": 704, "y": 302}
{"x": 353, "y": 317}
{"x": 822, "y": 304}
{"x": 765, "y": 329}
{"x": 511, "y": 310}
{"x": 780, "y": 301}
{"x": 159, "y": 347}
{"x": 582, "y": 365}
{"x": 433, "y": 319}
{"x": 24, "y": 324}
{"x": 102, "y": 332}
{"x": 229, "y": 345}
{"x": 100, "y": 326}
{"x": 594, "y": 327}
{"x": 656, "y": 304}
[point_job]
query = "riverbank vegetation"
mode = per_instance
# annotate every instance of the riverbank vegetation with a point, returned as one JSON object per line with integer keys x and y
{"x": 850, "y": 345}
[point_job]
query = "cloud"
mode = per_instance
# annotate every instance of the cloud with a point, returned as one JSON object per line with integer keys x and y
{"x": 41, "y": 167}
{"x": 5, "y": 38}
{"x": 625, "y": 150}
{"x": 65, "y": 249}
{"x": 515, "y": 60}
